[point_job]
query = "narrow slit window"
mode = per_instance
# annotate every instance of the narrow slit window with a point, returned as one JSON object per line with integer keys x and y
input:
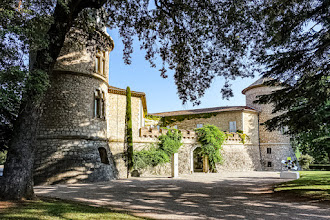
{"x": 269, "y": 150}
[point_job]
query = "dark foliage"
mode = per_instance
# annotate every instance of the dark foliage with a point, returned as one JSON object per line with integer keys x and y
{"x": 129, "y": 132}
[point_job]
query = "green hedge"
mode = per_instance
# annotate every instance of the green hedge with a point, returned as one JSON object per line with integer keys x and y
{"x": 319, "y": 167}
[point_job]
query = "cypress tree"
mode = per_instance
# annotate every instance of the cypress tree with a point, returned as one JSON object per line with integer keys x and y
{"x": 129, "y": 133}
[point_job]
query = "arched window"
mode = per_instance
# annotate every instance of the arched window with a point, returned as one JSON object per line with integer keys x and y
{"x": 103, "y": 155}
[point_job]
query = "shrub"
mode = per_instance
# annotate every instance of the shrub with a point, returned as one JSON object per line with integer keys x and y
{"x": 150, "y": 157}
{"x": 211, "y": 139}
{"x": 3, "y": 157}
{"x": 168, "y": 144}
{"x": 171, "y": 142}
{"x": 305, "y": 160}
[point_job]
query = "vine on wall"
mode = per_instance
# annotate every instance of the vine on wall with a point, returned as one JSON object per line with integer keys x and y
{"x": 168, "y": 144}
{"x": 211, "y": 139}
{"x": 153, "y": 117}
{"x": 242, "y": 136}
{"x": 172, "y": 119}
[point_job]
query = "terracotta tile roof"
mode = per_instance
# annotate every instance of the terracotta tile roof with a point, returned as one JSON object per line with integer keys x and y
{"x": 205, "y": 110}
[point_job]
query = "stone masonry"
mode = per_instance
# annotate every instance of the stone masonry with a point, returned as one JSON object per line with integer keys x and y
{"x": 81, "y": 135}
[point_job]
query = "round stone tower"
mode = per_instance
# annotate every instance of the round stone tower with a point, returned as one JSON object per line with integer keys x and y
{"x": 72, "y": 141}
{"x": 274, "y": 146}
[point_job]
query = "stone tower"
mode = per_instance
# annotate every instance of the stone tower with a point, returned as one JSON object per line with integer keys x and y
{"x": 274, "y": 146}
{"x": 72, "y": 141}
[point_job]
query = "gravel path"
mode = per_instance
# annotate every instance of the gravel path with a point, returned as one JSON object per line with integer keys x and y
{"x": 236, "y": 195}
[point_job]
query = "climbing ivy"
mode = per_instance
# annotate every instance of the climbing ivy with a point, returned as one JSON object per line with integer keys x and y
{"x": 153, "y": 117}
{"x": 168, "y": 144}
{"x": 242, "y": 136}
{"x": 211, "y": 139}
{"x": 167, "y": 120}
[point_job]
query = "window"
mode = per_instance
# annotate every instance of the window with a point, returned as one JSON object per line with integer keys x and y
{"x": 99, "y": 104}
{"x": 232, "y": 126}
{"x": 199, "y": 125}
{"x": 103, "y": 155}
{"x": 269, "y": 150}
{"x": 100, "y": 63}
{"x": 141, "y": 116}
{"x": 269, "y": 164}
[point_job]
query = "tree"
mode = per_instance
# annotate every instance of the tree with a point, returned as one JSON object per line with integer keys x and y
{"x": 305, "y": 111}
{"x": 188, "y": 36}
{"x": 199, "y": 40}
{"x": 17, "y": 182}
{"x": 129, "y": 132}
{"x": 294, "y": 43}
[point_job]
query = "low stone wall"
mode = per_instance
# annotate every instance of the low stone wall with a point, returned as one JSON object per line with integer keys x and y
{"x": 72, "y": 160}
{"x": 237, "y": 156}
{"x": 147, "y": 132}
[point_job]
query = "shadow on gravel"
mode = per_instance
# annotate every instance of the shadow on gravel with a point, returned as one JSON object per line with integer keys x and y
{"x": 164, "y": 198}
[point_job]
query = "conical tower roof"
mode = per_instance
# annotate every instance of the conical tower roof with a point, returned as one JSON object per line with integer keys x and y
{"x": 260, "y": 82}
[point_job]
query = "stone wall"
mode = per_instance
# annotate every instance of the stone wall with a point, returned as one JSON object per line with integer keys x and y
{"x": 70, "y": 135}
{"x": 116, "y": 117}
{"x": 79, "y": 58}
{"x": 237, "y": 156}
{"x": 271, "y": 159}
{"x": 240, "y": 157}
{"x": 265, "y": 114}
{"x": 67, "y": 127}
{"x": 62, "y": 160}
{"x": 221, "y": 120}
{"x": 278, "y": 143}
{"x": 250, "y": 126}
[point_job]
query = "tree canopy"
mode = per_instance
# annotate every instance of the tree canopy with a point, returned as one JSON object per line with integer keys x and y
{"x": 199, "y": 40}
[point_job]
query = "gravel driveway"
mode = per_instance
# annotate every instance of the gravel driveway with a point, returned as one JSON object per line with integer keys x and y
{"x": 236, "y": 195}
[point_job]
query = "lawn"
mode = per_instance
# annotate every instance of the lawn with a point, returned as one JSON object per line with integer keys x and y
{"x": 55, "y": 209}
{"x": 312, "y": 184}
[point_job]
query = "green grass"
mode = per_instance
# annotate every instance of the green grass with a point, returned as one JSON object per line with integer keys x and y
{"x": 312, "y": 184}
{"x": 55, "y": 209}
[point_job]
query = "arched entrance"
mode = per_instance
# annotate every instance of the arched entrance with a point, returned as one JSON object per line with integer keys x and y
{"x": 197, "y": 160}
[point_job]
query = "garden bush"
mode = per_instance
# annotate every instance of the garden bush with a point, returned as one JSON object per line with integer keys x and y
{"x": 305, "y": 160}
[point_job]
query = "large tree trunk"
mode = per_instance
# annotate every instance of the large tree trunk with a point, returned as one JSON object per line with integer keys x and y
{"x": 17, "y": 182}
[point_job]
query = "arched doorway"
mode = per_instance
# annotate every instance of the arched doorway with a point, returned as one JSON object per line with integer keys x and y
{"x": 197, "y": 160}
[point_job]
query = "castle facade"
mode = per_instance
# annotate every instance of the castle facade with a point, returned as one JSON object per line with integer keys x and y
{"x": 82, "y": 130}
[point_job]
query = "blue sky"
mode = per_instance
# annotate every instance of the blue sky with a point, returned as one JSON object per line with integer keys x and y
{"x": 161, "y": 93}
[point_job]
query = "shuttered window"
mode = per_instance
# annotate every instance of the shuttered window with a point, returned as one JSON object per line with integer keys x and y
{"x": 232, "y": 126}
